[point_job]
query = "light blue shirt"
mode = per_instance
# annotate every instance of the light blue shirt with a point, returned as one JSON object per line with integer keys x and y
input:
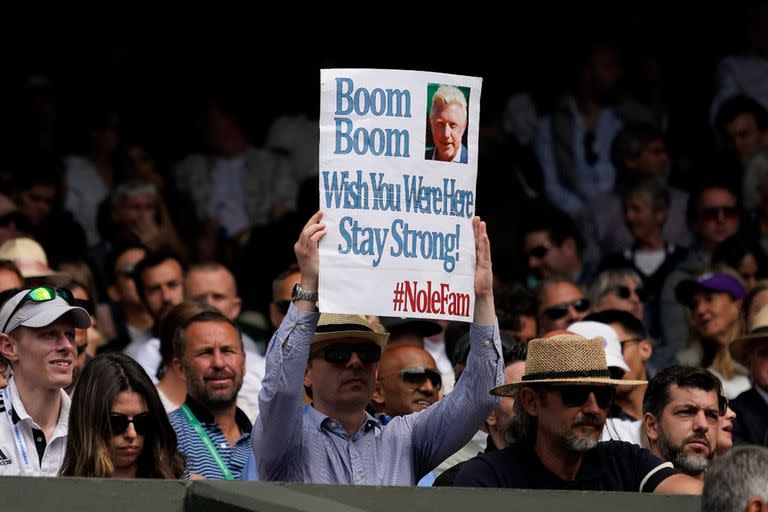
{"x": 293, "y": 443}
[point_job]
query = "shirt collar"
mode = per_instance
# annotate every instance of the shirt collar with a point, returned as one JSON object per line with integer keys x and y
{"x": 19, "y": 413}
{"x": 317, "y": 419}
{"x": 204, "y": 416}
{"x": 763, "y": 393}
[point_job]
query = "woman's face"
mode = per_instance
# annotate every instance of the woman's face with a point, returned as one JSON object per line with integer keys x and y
{"x": 126, "y": 446}
{"x": 715, "y": 314}
{"x": 748, "y": 270}
{"x": 623, "y": 295}
{"x": 725, "y": 432}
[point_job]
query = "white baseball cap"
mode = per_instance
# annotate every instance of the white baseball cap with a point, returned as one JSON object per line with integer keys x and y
{"x": 39, "y": 313}
{"x": 611, "y": 342}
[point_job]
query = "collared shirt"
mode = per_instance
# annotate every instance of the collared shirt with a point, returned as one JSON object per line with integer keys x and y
{"x": 199, "y": 459}
{"x": 295, "y": 443}
{"x": 147, "y": 353}
{"x": 610, "y": 466}
{"x": 41, "y": 456}
{"x": 763, "y": 393}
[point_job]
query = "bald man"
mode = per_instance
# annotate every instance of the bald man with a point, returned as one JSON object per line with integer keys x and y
{"x": 408, "y": 381}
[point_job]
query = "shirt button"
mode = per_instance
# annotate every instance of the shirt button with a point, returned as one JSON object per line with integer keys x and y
{"x": 486, "y": 343}
{"x": 223, "y": 445}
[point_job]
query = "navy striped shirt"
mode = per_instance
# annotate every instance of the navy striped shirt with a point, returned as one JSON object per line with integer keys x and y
{"x": 199, "y": 460}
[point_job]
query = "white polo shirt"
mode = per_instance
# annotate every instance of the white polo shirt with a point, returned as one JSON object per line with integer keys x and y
{"x": 24, "y": 450}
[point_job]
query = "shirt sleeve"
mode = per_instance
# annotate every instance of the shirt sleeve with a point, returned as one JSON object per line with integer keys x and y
{"x": 447, "y": 425}
{"x": 476, "y": 472}
{"x": 649, "y": 469}
{"x": 277, "y": 430}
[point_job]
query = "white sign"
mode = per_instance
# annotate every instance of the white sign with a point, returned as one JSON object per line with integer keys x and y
{"x": 398, "y": 166}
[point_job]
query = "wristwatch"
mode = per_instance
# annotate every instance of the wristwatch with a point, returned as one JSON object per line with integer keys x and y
{"x": 300, "y": 293}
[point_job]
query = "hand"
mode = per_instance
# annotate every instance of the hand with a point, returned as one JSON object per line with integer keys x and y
{"x": 483, "y": 269}
{"x": 308, "y": 253}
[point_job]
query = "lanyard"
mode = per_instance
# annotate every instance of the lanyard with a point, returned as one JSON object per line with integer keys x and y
{"x": 21, "y": 445}
{"x": 203, "y": 435}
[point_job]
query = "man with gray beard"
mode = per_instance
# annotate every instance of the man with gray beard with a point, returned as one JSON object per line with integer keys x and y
{"x": 681, "y": 416}
{"x": 561, "y": 404}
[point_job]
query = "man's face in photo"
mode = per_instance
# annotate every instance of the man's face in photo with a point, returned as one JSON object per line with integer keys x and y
{"x": 448, "y": 123}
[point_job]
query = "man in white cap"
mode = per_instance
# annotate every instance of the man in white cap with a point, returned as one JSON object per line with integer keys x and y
{"x": 37, "y": 337}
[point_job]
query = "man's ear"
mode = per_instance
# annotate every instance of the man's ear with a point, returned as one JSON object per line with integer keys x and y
{"x": 530, "y": 401}
{"x": 646, "y": 350}
{"x": 378, "y": 396}
{"x": 569, "y": 245}
{"x": 112, "y": 293}
{"x": 308, "y": 376}
{"x": 8, "y": 348}
{"x": 237, "y": 305}
{"x": 178, "y": 366}
{"x": 651, "y": 427}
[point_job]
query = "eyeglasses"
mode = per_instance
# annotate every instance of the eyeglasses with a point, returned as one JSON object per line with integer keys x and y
{"x": 118, "y": 423}
{"x": 623, "y": 343}
{"x": 41, "y": 294}
{"x": 538, "y": 252}
{"x": 625, "y": 292}
{"x": 560, "y": 310}
{"x": 576, "y": 396}
{"x": 341, "y": 353}
{"x": 722, "y": 405}
{"x": 714, "y": 212}
{"x": 417, "y": 376}
{"x": 282, "y": 306}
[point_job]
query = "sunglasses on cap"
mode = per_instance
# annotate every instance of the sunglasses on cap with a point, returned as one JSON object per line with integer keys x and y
{"x": 577, "y": 396}
{"x": 714, "y": 212}
{"x": 538, "y": 252}
{"x": 282, "y": 306}
{"x": 341, "y": 353}
{"x": 560, "y": 310}
{"x": 418, "y": 376}
{"x": 41, "y": 294}
{"x": 118, "y": 423}
{"x": 625, "y": 292}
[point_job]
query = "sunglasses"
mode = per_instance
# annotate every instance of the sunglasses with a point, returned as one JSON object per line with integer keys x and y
{"x": 577, "y": 396}
{"x": 282, "y": 306}
{"x": 341, "y": 353}
{"x": 118, "y": 423}
{"x": 41, "y": 294}
{"x": 418, "y": 376}
{"x": 714, "y": 212}
{"x": 560, "y": 310}
{"x": 538, "y": 252}
{"x": 625, "y": 292}
{"x": 722, "y": 405}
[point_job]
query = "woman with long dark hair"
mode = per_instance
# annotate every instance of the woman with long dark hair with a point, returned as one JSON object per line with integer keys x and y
{"x": 117, "y": 426}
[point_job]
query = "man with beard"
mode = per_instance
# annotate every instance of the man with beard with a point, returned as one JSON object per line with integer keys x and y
{"x": 681, "y": 416}
{"x": 214, "y": 434}
{"x": 561, "y": 405}
{"x": 159, "y": 281}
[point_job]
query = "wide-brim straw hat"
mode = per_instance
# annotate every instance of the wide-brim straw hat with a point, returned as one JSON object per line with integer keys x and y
{"x": 740, "y": 347}
{"x": 565, "y": 359}
{"x": 332, "y": 326}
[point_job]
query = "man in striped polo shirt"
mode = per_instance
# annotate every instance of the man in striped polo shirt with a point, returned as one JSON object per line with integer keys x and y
{"x": 214, "y": 434}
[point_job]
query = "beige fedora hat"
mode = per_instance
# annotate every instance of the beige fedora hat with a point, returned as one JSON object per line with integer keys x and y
{"x": 565, "y": 359}
{"x": 740, "y": 347}
{"x": 32, "y": 261}
{"x": 333, "y": 326}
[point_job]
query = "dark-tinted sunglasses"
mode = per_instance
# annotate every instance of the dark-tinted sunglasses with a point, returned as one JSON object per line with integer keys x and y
{"x": 41, "y": 294}
{"x": 722, "y": 405}
{"x": 714, "y": 212}
{"x": 560, "y": 310}
{"x": 538, "y": 252}
{"x": 282, "y": 306}
{"x": 576, "y": 396}
{"x": 341, "y": 353}
{"x": 625, "y": 292}
{"x": 418, "y": 376}
{"x": 118, "y": 423}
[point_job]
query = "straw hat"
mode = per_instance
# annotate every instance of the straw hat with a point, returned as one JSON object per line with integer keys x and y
{"x": 740, "y": 347}
{"x": 332, "y": 326}
{"x": 565, "y": 359}
{"x": 30, "y": 257}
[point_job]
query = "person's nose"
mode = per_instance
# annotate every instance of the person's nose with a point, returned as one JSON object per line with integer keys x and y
{"x": 217, "y": 361}
{"x": 354, "y": 361}
{"x": 447, "y": 131}
{"x": 590, "y": 406}
{"x": 167, "y": 294}
{"x": 64, "y": 343}
{"x": 700, "y": 422}
{"x": 130, "y": 432}
{"x": 427, "y": 388}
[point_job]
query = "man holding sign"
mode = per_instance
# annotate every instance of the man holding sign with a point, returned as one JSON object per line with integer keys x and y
{"x": 334, "y": 358}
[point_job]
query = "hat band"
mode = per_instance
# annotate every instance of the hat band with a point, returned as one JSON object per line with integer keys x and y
{"x": 573, "y": 374}
{"x": 760, "y": 330}
{"x": 342, "y": 327}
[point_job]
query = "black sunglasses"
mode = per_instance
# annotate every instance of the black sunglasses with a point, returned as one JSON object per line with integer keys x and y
{"x": 118, "y": 423}
{"x": 560, "y": 310}
{"x": 722, "y": 405}
{"x": 41, "y": 294}
{"x": 714, "y": 212}
{"x": 282, "y": 306}
{"x": 576, "y": 396}
{"x": 538, "y": 252}
{"x": 625, "y": 292}
{"x": 341, "y": 353}
{"x": 418, "y": 376}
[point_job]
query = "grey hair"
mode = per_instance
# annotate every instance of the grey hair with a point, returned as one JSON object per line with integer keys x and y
{"x": 734, "y": 478}
{"x": 608, "y": 278}
{"x": 653, "y": 190}
{"x": 132, "y": 188}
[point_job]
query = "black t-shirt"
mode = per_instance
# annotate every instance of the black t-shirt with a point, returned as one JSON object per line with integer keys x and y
{"x": 610, "y": 466}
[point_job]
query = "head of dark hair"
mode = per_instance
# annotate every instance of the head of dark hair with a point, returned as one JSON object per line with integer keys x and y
{"x": 180, "y": 335}
{"x": 557, "y": 224}
{"x": 114, "y": 254}
{"x": 629, "y": 322}
{"x": 88, "y": 453}
{"x": 732, "y": 250}
{"x": 152, "y": 260}
{"x": 630, "y": 142}
{"x": 512, "y": 302}
{"x": 708, "y": 182}
{"x": 657, "y": 394}
{"x": 733, "y": 107}
{"x": 39, "y": 169}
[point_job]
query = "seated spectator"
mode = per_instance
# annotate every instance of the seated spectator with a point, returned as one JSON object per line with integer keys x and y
{"x": 556, "y": 431}
{"x": 31, "y": 260}
{"x": 737, "y": 481}
{"x": 725, "y": 432}
{"x": 407, "y": 381}
{"x": 516, "y": 309}
{"x": 618, "y": 289}
{"x": 753, "y": 302}
{"x": 561, "y": 303}
{"x": 10, "y": 276}
{"x": 118, "y": 428}
{"x": 745, "y": 256}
